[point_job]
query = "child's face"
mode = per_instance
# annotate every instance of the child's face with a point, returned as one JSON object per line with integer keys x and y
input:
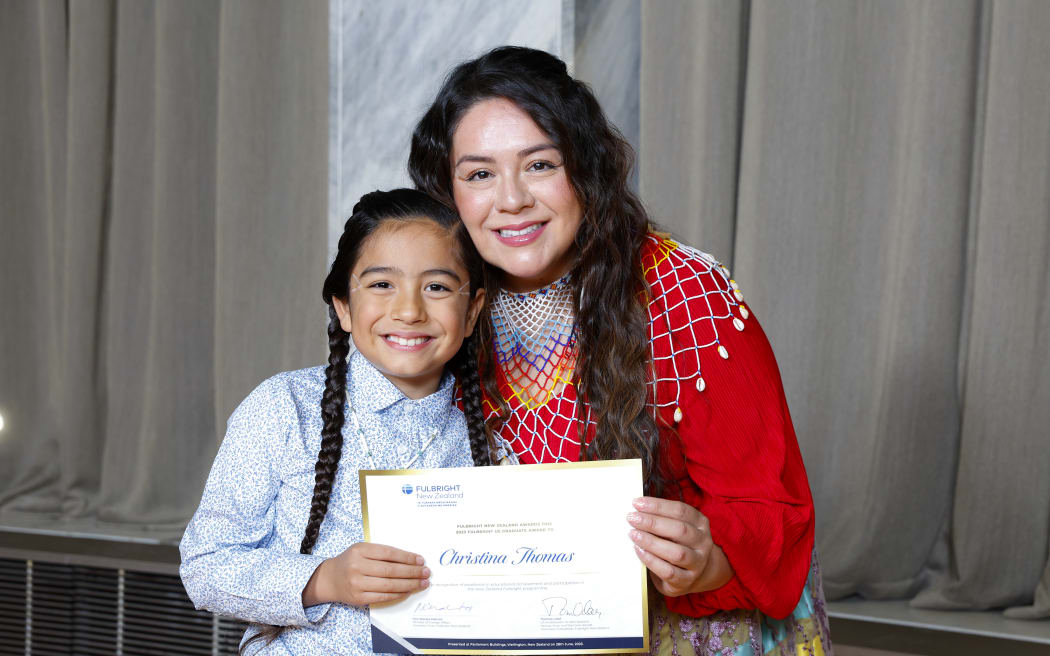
{"x": 409, "y": 307}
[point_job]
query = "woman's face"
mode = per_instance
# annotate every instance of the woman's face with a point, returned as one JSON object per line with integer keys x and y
{"x": 514, "y": 195}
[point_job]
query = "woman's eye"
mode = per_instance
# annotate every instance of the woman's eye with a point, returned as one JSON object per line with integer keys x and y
{"x": 477, "y": 176}
{"x": 541, "y": 166}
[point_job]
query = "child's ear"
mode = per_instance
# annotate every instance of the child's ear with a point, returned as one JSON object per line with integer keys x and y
{"x": 474, "y": 309}
{"x": 342, "y": 310}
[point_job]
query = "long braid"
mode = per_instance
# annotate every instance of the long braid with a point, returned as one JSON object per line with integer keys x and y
{"x": 470, "y": 386}
{"x": 332, "y": 404}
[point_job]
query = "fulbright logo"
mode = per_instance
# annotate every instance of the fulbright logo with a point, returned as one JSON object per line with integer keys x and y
{"x": 406, "y": 488}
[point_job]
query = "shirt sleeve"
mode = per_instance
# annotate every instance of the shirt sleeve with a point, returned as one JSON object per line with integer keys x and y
{"x": 739, "y": 459}
{"x": 232, "y": 562}
{"x": 742, "y": 454}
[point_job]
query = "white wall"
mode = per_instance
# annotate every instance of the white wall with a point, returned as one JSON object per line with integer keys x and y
{"x": 388, "y": 60}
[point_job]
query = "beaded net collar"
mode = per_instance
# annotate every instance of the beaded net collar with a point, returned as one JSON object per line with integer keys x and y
{"x": 535, "y": 340}
{"x": 692, "y": 302}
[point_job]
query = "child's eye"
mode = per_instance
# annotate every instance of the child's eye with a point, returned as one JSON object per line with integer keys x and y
{"x": 478, "y": 176}
{"x": 380, "y": 284}
{"x": 437, "y": 288}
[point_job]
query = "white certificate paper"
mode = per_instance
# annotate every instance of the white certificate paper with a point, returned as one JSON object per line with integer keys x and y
{"x": 532, "y": 559}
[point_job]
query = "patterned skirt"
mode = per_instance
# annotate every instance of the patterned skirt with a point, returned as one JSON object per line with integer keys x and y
{"x": 745, "y": 632}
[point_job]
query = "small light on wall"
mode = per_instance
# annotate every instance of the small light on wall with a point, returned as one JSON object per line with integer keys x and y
{"x": 1, "y": 422}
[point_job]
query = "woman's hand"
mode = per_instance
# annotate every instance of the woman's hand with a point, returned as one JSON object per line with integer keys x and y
{"x": 673, "y": 540}
{"x": 367, "y": 573}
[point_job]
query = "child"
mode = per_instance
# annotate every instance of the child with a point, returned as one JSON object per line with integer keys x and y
{"x": 405, "y": 285}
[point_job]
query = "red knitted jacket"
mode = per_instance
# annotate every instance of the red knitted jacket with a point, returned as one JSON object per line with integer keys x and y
{"x": 729, "y": 448}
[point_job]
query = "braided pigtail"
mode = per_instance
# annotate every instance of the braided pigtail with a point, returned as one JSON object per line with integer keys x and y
{"x": 332, "y": 404}
{"x": 332, "y": 416}
{"x": 466, "y": 371}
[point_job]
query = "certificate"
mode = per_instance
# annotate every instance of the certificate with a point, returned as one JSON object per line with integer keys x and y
{"x": 532, "y": 559}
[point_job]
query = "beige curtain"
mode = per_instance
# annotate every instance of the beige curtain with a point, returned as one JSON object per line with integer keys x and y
{"x": 164, "y": 176}
{"x": 877, "y": 172}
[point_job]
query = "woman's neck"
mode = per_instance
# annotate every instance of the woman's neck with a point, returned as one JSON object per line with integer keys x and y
{"x": 516, "y": 285}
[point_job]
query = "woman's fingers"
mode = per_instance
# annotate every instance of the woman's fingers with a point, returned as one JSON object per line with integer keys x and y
{"x": 676, "y": 530}
{"x": 679, "y": 555}
{"x": 655, "y": 564}
{"x": 668, "y": 579}
{"x": 668, "y": 508}
{"x": 673, "y": 541}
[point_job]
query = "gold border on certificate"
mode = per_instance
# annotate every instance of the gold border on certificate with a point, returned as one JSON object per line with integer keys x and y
{"x": 363, "y": 476}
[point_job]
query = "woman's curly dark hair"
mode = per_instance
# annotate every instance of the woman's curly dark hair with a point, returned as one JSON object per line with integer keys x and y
{"x": 613, "y": 366}
{"x": 370, "y": 213}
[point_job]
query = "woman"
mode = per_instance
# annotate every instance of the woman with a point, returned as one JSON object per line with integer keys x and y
{"x": 611, "y": 341}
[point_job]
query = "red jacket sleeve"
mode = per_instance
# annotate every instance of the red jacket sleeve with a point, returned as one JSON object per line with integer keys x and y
{"x": 733, "y": 448}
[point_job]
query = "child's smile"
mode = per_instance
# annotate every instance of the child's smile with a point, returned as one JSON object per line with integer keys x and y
{"x": 408, "y": 342}
{"x": 409, "y": 307}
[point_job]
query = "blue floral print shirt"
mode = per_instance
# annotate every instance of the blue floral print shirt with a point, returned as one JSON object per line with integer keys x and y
{"x": 240, "y": 552}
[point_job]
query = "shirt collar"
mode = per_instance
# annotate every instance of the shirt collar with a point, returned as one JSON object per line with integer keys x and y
{"x": 370, "y": 390}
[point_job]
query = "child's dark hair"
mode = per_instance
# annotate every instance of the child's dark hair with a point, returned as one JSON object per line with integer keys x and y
{"x": 370, "y": 213}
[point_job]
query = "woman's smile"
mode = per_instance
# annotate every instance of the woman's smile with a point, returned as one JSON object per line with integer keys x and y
{"x": 520, "y": 234}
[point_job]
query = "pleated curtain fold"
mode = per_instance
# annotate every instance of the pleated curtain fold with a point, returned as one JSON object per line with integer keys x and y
{"x": 876, "y": 174}
{"x": 164, "y": 170}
